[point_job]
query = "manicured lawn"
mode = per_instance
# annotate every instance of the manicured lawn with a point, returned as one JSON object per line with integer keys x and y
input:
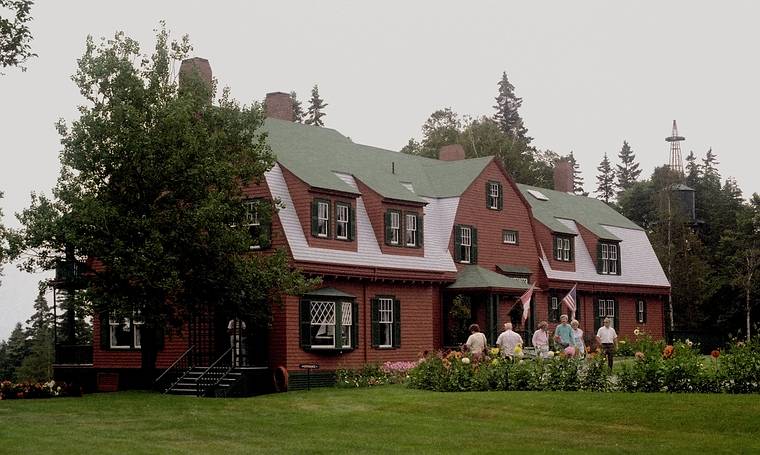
{"x": 384, "y": 419}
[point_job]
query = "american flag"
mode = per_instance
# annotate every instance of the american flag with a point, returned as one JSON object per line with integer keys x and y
{"x": 569, "y": 302}
{"x": 525, "y": 300}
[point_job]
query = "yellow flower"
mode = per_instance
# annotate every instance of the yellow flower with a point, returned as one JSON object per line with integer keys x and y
{"x": 494, "y": 351}
{"x": 637, "y": 332}
{"x": 495, "y": 361}
{"x": 622, "y": 341}
{"x": 518, "y": 349}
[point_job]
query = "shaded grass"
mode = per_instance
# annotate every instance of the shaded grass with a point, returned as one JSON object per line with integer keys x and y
{"x": 384, "y": 419}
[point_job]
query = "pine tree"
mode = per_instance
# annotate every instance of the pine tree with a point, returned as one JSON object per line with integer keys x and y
{"x": 316, "y": 108}
{"x": 507, "y": 115}
{"x": 297, "y": 108}
{"x": 37, "y": 366}
{"x": 710, "y": 168}
{"x": 628, "y": 171}
{"x": 692, "y": 169}
{"x": 577, "y": 176}
{"x": 605, "y": 180}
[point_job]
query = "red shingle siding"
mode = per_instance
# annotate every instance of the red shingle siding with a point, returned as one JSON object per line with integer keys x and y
{"x": 490, "y": 223}
{"x": 174, "y": 346}
{"x": 417, "y": 326}
{"x": 546, "y": 239}
{"x": 376, "y": 209}
{"x": 302, "y": 197}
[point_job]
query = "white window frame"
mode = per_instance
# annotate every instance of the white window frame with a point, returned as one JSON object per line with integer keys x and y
{"x": 554, "y": 307}
{"x": 466, "y": 245}
{"x": 395, "y": 218}
{"x": 134, "y": 325}
{"x": 329, "y": 325}
{"x": 613, "y": 259}
{"x": 346, "y": 316}
{"x": 605, "y": 258}
{"x": 506, "y": 239}
{"x": 410, "y": 229}
{"x": 563, "y": 249}
{"x": 252, "y": 219}
{"x": 385, "y": 319}
{"x": 640, "y": 311}
{"x": 609, "y": 259}
{"x": 493, "y": 195}
{"x": 607, "y": 310}
{"x": 341, "y": 221}
{"x": 323, "y": 218}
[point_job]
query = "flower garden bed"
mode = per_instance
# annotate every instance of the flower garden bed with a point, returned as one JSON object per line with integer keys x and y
{"x": 50, "y": 389}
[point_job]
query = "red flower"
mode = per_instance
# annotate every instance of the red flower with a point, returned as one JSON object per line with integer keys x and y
{"x": 715, "y": 354}
{"x": 668, "y": 352}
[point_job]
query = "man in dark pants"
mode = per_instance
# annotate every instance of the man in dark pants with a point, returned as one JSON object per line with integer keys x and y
{"x": 607, "y": 337}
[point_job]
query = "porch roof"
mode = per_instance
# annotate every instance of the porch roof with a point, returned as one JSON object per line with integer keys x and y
{"x": 507, "y": 268}
{"x": 476, "y": 277}
{"x": 330, "y": 292}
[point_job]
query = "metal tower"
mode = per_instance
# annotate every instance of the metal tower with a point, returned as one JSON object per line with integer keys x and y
{"x": 676, "y": 163}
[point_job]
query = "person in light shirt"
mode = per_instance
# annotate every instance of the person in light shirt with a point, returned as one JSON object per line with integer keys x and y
{"x": 541, "y": 339}
{"x": 476, "y": 343}
{"x": 580, "y": 346}
{"x": 508, "y": 340}
{"x": 607, "y": 337}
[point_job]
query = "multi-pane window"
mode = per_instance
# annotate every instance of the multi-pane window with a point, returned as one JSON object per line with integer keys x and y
{"x": 641, "y": 311}
{"x": 606, "y": 308}
{"x": 554, "y": 310}
{"x": 465, "y": 249}
{"x": 328, "y": 324}
{"x": 385, "y": 320}
{"x": 341, "y": 221}
{"x": 494, "y": 195}
{"x": 509, "y": 237}
{"x": 563, "y": 248}
{"x": 395, "y": 227}
{"x": 410, "y": 225}
{"x": 124, "y": 333}
{"x": 323, "y": 218}
{"x": 608, "y": 259}
{"x": 252, "y": 222}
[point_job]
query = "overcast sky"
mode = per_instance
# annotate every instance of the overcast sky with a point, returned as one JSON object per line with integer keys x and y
{"x": 591, "y": 74}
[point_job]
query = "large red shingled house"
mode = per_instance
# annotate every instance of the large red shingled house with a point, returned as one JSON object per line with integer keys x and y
{"x": 396, "y": 239}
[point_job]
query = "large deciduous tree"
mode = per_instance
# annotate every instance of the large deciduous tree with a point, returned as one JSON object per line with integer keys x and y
{"x": 150, "y": 193}
{"x": 316, "y": 108}
{"x": 15, "y": 35}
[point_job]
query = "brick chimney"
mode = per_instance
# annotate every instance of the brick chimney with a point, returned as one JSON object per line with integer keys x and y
{"x": 279, "y": 105}
{"x": 196, "y": 66}
{"x": 452, "y": 152}
{"x": 563, "y": 176}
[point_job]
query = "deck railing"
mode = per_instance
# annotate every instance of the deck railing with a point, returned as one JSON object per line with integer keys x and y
{"x": 217, "y": 371}
{"x": 175, "y": 372}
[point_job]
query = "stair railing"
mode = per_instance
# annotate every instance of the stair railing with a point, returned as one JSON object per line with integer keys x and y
{"x": 212, "y": 375}
{"x": 175, "y": 372}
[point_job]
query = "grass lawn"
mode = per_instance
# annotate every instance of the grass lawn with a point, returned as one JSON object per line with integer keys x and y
{"x": 384, "y": 419}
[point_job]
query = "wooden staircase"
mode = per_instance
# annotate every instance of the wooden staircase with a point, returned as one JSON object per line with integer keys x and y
{"x": 188, "y": 382}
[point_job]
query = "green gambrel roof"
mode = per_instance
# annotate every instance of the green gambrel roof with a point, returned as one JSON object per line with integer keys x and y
{"x": 589, "y": 212}
{"x": 314, "y": 154}
{"x": 476, "y": 277}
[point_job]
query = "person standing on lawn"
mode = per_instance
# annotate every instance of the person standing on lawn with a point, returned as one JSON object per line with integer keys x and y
{"x": 563, "y": 334}
{"x": 607, "y": 337}
{"x": 508, "y": 340}
{"x": 580, "y": 346}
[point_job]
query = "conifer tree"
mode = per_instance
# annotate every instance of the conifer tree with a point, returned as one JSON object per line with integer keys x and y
{"x": 577, "y": 176}
{"x": 297, "y": 108}
{"x": 710, "y": 168}
{"x": 316, "y": 108}
{"x": 37, "y": 365}
{"x": 692, "y": 169}
{"x": 507, "y": 115}
{"x": 605, "y": 180}
{"x": 628, "y": 171}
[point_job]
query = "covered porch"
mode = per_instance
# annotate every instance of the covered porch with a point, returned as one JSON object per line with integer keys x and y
{"x": 486, "y": 298}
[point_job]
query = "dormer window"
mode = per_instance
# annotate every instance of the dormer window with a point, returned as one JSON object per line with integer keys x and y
{"x": 341, "y": 221}
{"x": 563, "y": 248}
{"x": 393, "y": 227}
{"x": 410, "y": 236}
{"x": 466, "y": 244}
{"x": 320, "y": 218}
{"x": 258, "y": 226}
{"x": 608, "y": 255}
{"x": 494, "y": 196}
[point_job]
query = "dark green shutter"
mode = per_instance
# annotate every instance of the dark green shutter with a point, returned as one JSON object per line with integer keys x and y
{"x": 265, "y": 239}
{"x": 619, "y": 259}
{"x": 517, "y": 237}
{"x": 305, "y": 316}
{"x": 354, "y": 324}
{"x": 159, "y": 331}
{"x": 388, "y": 233}
{"x": 420, "y": 231}
{"x": 599, "y": 257}
{"x": 396, "y": 323}
{"x": 314, "y": 218}
{"x": 617, "y": 315}
{"x": 105, "y": 332}
{"x": 500, "y": 201}
{"x": 375, "y": 322}
{"x": 598, "y": 319}
{"x": 351, "y": 223}
{"x": 572, "y": 248}
{"x": 474, "y": 247}
{"x": 457, "y": 243}
{"x": 330, "y": 221}
{"x": 645, "y": 311}
{"x": 555, "y": 241}
{"x": 488, "y": 194}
